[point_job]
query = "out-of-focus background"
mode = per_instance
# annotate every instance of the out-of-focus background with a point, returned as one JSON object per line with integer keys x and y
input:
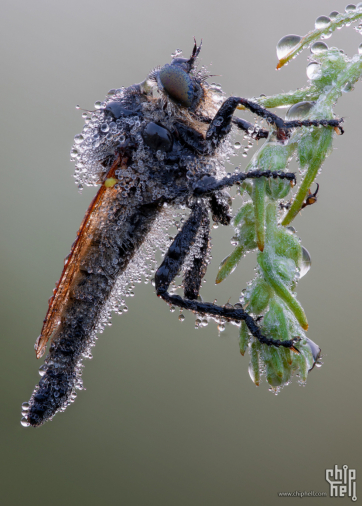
{"x": 170, "y": 415}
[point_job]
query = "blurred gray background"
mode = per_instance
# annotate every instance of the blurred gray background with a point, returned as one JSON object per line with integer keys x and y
{"x": 170, "y": 416}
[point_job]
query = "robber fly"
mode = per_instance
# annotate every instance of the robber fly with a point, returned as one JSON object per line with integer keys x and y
{"x": 153, "y": 146}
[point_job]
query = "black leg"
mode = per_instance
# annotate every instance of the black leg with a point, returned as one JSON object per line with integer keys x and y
{"x": 209, "y": 184}
{"x": 196, "y": 265}
{"x": 221, "y": 124}
{"x": 220, "y": 203}
{"x": 171, "y": 266}
{"x": 250, "y": 129}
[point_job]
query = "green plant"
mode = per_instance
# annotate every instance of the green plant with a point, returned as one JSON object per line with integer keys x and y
{"x": 263, "y": 222}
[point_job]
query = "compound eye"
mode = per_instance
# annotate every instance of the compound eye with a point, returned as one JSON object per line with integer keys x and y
{"x": 157, "y": 137}
{"x": 177, "y": 83}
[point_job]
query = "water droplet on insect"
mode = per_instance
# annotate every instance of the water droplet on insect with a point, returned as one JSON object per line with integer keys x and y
{"x": 78, "y": 139}
{"x": 360, "y": 49}
{"x": 80, "y": 188}
{"x": 42, "y": 369}
{"x": 313, "y": 70}
{"x": 98, "y": 105}
{"x": 25, "y": 406}
{"x": 286, "y": 44}
{"x": 104, "y": 127}
{"x": 350, "y": 8}
{"x": 221, "y": 327}
{"x": 322, "y": 22}
{"x": 306, "y": 262}
{"x": 24, "y": 422}
{"x": 237, "y": 145}
{"x": 333, "y": 15}
{"x": 318, "y": 47}
{"x": 181, "y": 317}
{"x": 359, "y": 7}
{"x": 172, "y": 309}
{"x": 299, "y": 111}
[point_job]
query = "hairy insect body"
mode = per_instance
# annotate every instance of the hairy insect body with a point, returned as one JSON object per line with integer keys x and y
{"x": 151, "y": 155}
{"x": 155, "y": 168}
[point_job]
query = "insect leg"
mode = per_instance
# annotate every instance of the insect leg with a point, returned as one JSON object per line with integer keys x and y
{"x": 208, "y": 184}
{"x": 172, "y": 264}
{"x": 221, "y": 124}
{"x": 244, "y": 125}
{"x": 197, "y": 265}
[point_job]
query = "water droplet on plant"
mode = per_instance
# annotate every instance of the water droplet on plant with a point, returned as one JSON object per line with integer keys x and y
{"x": 299, "y": 111}
{"x": 350, "y": 8}
{"x": 286, "y": 44}
{"x": 315, "y": 349}
{"x": 322, "y": 22}
{"x": 333, "y": 15}
{"x": 305, "y": 263}
{"x": 318, "y": 47}
{"x": 313, "y": 70}
{"x": 347, "y": 87}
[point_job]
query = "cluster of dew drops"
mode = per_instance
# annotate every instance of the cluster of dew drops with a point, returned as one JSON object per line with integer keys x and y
{"x": 289, "y": 42}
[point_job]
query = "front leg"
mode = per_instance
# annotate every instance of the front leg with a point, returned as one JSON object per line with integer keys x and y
{"x": 221, "y": 124}
{"x": 171, "y": 266}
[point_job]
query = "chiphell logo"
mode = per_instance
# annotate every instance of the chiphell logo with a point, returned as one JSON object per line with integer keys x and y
{"x": 342, "y": 482}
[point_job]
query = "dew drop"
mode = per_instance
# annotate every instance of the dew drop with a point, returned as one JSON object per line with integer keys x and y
{"x": 78, "y": 139}
{"x": 299, "y": 111}
{"x": 322, "y": 22}
{"x": 318, "y": 47}
{"x": 237, "y": 145}
{"x": 359, "y": 7}
{"x": 42, "y": 369}
{"x": 98, "y": 105}
{"x": 347, "y": 87}
{"x": 24, "y": 422}
{"x": 314, "y": 348}
{"x": 286, "y": 44}
{"x": 360, "y": 49}
{"x": 350, "y": 8}
{"x": 221, "y": 327}
{"x": 181, "y": 317}
{"x": 334, "y": 15}
{"x": 313, "y": 70}
{"x": 305, "y": 263}
{"x": 104, "y": 127}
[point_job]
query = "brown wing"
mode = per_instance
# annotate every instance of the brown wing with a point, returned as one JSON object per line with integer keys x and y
{"x": 91, "y": 221}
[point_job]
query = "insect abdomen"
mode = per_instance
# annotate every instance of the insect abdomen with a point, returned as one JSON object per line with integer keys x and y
{"x": 106, "y": 258}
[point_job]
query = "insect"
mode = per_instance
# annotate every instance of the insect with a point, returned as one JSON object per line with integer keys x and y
{"x": 153, "y": 146}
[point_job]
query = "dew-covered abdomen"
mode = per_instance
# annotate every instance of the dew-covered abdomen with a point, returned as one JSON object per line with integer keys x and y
{"x": 107, "y": 256}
